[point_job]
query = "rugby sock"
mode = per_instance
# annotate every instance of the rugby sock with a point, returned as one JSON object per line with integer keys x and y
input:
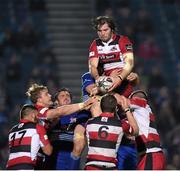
{"x": 74, "y": 164}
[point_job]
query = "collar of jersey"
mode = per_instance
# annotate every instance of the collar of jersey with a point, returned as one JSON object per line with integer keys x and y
{"x": 113, "y": 38}
{"x": 107, "y": 114}
{"x": 39, "y": 106}
{"x": 24, "y": 121}
{"x": 139, "y": 101}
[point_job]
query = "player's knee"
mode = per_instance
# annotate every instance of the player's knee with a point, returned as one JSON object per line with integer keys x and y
{"x": 77, "y": 150}
{"x": 79, "y": 140}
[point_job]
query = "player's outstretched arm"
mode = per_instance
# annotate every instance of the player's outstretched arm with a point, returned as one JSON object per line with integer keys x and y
{"x": 68, "y": 109}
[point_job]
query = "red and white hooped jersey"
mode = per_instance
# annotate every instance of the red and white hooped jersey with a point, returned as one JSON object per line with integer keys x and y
{"x": 104, "y": 134}
{"x": 148, "y": 139}
{"x": 25, "y": 139}
{"x": 110, "y": 54}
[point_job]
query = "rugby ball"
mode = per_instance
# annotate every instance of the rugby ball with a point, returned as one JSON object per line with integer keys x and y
{"x": 104, "y": 83}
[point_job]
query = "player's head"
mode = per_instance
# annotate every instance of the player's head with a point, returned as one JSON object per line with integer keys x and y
{"x": 63, "y": 97}
{"x": 139, "y": 93}
{"x": 108, "y": 103}
{"x": 29, "y": 112}
{"x": 39, "y": 94}
{"x": 101, "y": 20}
{"x": 105, "y": 27}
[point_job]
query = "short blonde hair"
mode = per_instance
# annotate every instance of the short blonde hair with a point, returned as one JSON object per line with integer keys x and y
{"x": 34, "y": 91}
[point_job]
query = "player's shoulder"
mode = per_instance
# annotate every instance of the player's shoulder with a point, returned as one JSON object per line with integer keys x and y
{"x": 96, "y": 119}
{"x": 86, "y": 74}
{"x": 94, "y": 41}
{"x": 90, "y": 120}
{"x": 13, "y": 127}
{"x": 124, "y": 38}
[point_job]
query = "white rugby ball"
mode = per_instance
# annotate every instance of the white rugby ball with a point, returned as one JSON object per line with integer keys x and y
{"x": 104, "y": 83}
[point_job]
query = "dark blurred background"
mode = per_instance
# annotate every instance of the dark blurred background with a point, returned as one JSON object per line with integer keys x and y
{"x": 47, "y": 41}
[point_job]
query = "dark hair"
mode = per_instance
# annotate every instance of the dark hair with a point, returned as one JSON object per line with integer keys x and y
{"x": 139, "y": 93}
{"x": 108, "y": 103}
{"x": 102, "y": 20}
{"x": 60, "y": 90}
{"x": 26, "y": 110}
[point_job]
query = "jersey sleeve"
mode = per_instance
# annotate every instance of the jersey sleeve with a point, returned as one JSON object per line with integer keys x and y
{"x": 93, "y": 50}
{"x": 125, "y": 45}
{"x": 42, "y": 114}
{"x": 42, "y": 135}
{"x": 87, "y": 80}
{"x": 126, "y": 127}
{"x": 35, "y": 146}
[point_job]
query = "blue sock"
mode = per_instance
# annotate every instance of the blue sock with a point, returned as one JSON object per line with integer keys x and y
{"x": 74, "y": 164}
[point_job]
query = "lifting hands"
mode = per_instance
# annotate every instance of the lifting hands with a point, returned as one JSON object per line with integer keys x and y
{"x": 125, "y": 105}
{"x": 88, "y": 103}
{"x": 123, "y": 102}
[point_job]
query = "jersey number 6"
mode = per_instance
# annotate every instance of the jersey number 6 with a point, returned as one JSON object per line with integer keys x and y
{"x": 102, "y": 132}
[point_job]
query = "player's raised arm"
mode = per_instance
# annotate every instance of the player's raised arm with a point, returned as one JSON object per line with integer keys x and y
{"x": 93, "y": 65}
{"x": 125, "y": 104}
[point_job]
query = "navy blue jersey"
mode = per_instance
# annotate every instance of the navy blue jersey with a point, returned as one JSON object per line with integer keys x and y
{"x": 70, "y": 121}
{"x": 86, "y": 80}
{"x": 62, "y": 134}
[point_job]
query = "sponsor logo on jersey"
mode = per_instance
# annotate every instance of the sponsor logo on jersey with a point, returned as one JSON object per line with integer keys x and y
{"x": 104, "y": 119}
{"x": 129, "y": 47}
{"x": 91, "y": 54}
{"x": 110, "y": 56}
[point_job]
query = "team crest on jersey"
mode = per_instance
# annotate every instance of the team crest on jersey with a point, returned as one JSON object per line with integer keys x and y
{"x": 100, "y": 49}
{"x": 73, "y": 120}
{"x": 104, "y": 119}
{"x": 114, "y": 48}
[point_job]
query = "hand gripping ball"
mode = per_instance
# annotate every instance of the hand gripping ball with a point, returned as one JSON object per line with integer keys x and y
{"x": 104, "y": 83}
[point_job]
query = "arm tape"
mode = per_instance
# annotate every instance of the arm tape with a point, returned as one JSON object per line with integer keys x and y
{"x": 129, "y": 62}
